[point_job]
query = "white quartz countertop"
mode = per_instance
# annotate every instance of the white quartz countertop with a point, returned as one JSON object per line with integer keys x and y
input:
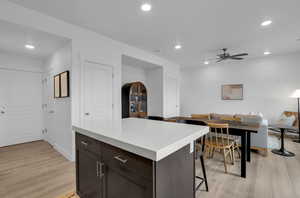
{"x": 151, "y": 139}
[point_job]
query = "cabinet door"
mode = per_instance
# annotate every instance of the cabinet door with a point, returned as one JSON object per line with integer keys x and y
{"x": 88, "y": 174}
{"x": 122, "y": 183}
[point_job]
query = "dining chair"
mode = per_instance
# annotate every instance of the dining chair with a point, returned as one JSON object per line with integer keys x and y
{"x": 236, "y": 139}
{"x": 200, "y": 150}
{"x": 219, "y": 139}
{"x": 201, "y": 116}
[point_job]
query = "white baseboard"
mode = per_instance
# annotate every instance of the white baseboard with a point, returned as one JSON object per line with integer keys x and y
{"x": 64, "y": 152}
{"x": 69, "y": 156}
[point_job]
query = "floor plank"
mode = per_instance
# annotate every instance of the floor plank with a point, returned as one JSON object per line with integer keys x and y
{"x": 34, "y": 170}
{"x": 268, "y": 177}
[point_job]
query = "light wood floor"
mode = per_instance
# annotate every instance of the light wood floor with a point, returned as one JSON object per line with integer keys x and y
{"x": 36, "y": 170}
{"x": 267, "y": 177}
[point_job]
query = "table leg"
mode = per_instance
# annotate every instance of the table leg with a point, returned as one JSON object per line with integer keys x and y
{"x": 248, "y": 146}
{"x": 282, "y": 140}
{"x": 243, "y": 157}
{"x": 282, "y": 150}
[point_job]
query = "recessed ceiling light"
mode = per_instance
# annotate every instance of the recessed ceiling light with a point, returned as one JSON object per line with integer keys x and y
{"x": 29, "y": 46}
{"x": 146, "y": 7}
{"x": 178, "y": 47}
{"x": 206, "y": 62}
{"x": 266, "y": 23}
{"x": 267, "y": 53}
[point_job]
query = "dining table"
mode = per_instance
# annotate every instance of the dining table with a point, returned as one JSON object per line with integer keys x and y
{"x": 236, "y": 128}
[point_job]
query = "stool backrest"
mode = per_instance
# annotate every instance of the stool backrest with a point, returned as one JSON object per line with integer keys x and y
{"x": 196, "y": 122}
{"x": 155, "y": 118}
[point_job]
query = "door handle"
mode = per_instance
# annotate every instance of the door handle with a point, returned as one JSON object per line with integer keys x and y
{"x": 119, "y": 158}
{"x": 2, "y": 112}
{"x": 87, "y": 114}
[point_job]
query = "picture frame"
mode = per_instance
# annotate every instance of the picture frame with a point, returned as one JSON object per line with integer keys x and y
{"x": 233, "y": 92}
{"x": 62, "y": 85}
{"x": 57, "y": 86}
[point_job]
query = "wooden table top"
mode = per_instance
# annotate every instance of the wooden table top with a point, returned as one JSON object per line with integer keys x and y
{"x": 232, "y": 124}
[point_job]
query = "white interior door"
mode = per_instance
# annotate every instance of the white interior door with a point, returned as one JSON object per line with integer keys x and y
{"x": 20, "y": 107}
{"x": 49, "y": 108}
{"x": 97, "y": 95}
{"x": 172, "y": 87}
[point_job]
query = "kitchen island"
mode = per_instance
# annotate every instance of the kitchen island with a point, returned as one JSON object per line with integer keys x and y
{"x": 146, "y": 159}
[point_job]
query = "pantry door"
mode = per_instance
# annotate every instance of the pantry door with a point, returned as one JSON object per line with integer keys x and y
{"x": 97, "y": 89}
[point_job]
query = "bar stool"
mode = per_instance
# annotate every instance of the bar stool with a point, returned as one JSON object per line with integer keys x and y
{"x": 200, "y": 147}
{"x": 155, "y": 118}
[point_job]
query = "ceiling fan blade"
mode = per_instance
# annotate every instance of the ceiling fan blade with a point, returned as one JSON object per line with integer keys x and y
{"x": 221, "y": 59}
{"x": 236, "y": 58}
{"x": 243, "y": 54}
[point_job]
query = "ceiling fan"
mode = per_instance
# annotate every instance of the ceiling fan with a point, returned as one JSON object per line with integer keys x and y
{"x": 225, "y": 56}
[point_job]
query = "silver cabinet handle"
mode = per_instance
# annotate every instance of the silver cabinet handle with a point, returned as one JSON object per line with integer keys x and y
{"x": 100, "y": 166}
{"x": 84, "y": 143}
{"x": 51, "y": 111}
{"x": 87, "y": 114}
{"x": 120, "y": 159}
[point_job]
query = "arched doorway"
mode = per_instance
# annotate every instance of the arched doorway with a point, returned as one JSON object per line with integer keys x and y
{"x": 134, "y": 100}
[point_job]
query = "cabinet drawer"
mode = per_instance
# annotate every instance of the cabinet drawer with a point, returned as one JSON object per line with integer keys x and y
{"x": 87, "y": 143}
{"x": 127, "y": 162}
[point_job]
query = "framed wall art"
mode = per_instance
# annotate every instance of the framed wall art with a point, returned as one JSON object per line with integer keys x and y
{"x": 233, "y": 92}
{"x": 62, "y": 85}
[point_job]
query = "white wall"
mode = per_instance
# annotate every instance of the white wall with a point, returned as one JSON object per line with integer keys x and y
{"x": 86, "y": 45}
{"x": 268, "y": 83}
{"x": 57, "y": 115}
{"x": 133, "y": 74}
{"x": 156, "y": 94}
{"x": 20, "y": 62}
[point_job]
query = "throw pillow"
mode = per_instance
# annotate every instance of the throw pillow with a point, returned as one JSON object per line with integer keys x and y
{"x": 287, "y": 120}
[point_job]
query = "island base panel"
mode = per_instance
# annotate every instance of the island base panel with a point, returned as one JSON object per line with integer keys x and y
{"x": 175, "y": 175}
{"x": 105, "y": 171}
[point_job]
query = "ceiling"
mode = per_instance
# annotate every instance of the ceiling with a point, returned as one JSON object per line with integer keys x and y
{"x": 13, "y": 39}
{"x": 202, "y": 27}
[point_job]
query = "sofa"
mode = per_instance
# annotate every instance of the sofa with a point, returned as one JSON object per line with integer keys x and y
{"x": 259, "y": 141}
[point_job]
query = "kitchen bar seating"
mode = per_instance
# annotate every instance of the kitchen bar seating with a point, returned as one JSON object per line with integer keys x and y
{"x": 200, "y": 151}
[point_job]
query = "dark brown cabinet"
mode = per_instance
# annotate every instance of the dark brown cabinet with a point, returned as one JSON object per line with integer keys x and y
{"x": 119, "y": 182}
{"x": 105, "y": 171}
{"x": 126, "y": 174}
{"x": 89, "y": 185}
{"x": 88, "y": 165}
